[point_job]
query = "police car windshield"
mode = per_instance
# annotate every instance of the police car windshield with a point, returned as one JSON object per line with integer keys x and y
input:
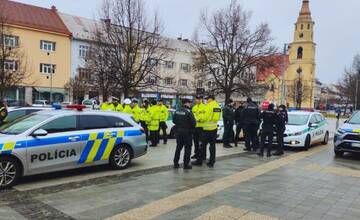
{"x": 23, "y": 124}
{"x": 298, "y": 120}
{"x": 355, "y": 119}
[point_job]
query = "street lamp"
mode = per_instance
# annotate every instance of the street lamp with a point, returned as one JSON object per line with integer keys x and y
{"x": 283, "y": 66}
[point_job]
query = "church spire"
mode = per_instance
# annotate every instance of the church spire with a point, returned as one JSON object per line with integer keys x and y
{"x": 305, "y": 14}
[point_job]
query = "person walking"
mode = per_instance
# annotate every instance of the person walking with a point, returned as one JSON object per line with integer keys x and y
{"x": 211, "y": 117}
{"x": 185, "y": 124}
{"x": 239, "y": 122}
{"x": 198, "y": 110}
{"x": 251, "y": 119}
{"x": 282, "y": 120}
{"x": 228, "y": 119}
{"x": 153, "y": 124}
{"x": 164, "y": 115}
{"x": 3, "y": 112}
{"x": 268, "y": 127}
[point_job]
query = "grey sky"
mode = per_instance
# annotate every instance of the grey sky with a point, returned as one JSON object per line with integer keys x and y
{"x": 336, "y": 34}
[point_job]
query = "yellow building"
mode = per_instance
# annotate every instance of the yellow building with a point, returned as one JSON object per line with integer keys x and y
{"x": 45, "y": 44}
{"x": 292, "y": 79}
{"x": 300, "y": 75}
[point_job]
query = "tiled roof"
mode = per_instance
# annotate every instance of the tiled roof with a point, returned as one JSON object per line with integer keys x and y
{"x": 30, "y": 16}
{"x": 276, "y": 64}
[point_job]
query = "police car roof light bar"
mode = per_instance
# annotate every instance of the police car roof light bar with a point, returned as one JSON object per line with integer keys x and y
{"x": 76, "y": 107}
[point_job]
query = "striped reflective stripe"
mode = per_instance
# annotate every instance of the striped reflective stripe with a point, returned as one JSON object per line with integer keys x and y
{"x": 9, "y": 146}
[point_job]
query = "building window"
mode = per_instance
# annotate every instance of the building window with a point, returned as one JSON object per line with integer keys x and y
{"x": 47, "y": 45}
{"x": 152, "y": 80}
{"x": 302, "y": 26}
{"x": 300, "y": 53}
{"x": 84, "y": 74}
{"x": 185, "y": 67}
{"x": 309, "y": 26}
{"x": 10, "y": 65}
{"x": 183, "y": 82}
{"x": 200, "y": 84}
{"x": 168, "y": 81}
{"x": 11, "y": 41}
{"x": 169, "y": 65}
{"x": 83, "y": 51}
{"x": 211, "y": 84}
{"x": 47, "y": 68}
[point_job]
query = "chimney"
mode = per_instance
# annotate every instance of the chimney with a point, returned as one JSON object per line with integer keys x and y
{"x": 53, "y": 8}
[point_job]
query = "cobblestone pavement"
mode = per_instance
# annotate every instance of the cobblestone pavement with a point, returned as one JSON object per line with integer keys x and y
{"x": 299, "y": 185}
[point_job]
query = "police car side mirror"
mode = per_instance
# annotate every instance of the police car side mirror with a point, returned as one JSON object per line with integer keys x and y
{"x": 39, "y": 133}
{"x": 313, "y": 125}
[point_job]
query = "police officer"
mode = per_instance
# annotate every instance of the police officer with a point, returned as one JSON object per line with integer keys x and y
{"x": 135, "y": 110}
{"x": 228, "y": 118}
{"x": 269, "y": 125}
{"x": 127, "y": 106}
{"x": 3, "y": 112}
{"x": 198, "y": 110}
{"x": 211, "y": 117}
{"x": 239, "y": 121}
{"x": 282, "y": 120}
{"x": 164, "y": 114}
{"x": 185, "y": 124}
{"x": 153, "y": 124}
{"x": 145, "y": 118}
{"x": 251, "y": 116}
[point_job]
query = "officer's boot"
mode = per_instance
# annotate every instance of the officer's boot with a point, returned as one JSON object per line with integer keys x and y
{"x": 261, "y": 152}
{"x": 268, "y": 153}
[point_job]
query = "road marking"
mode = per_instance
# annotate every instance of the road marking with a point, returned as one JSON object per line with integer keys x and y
{"x": 168, "y": 204}
{"x": 231, "y": 213}
{"x": 340, "y": 171}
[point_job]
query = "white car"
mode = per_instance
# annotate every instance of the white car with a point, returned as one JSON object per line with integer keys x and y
{"x": 41, "y": 103}
{"x": 305, "y": 129}
{"x": 91, "y": 103}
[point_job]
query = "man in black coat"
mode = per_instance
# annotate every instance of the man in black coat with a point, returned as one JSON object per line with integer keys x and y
{"x": 239, "y": 120}
{"x": 268, "y": 127}
{"x": 185, "y": 124}
{"x": 228, "y": 119}
{"x": 282, "y": 120}
{"x": 251, "y": 116}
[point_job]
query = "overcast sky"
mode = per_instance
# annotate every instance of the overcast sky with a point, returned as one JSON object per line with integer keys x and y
{"x": 337, "y": 33}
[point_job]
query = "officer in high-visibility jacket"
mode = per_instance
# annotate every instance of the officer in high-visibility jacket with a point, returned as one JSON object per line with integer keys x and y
{"x": 199, "y": 111}
{"x": 127, "y": 106}
{"x": 211, "y": 117}
{"x": 104, "y": 106}
{"x": 3, "y": 112}
{"x": 145, "y": 118}
{"x": 114, "y": 105}
{"x": 135, "y": 110}
{"x": 164, "y": 114}
{"x": 153, "y": 124}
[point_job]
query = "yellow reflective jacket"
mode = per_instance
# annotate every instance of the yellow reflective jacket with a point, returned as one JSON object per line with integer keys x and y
{"x": 119, "y": 108}
{"x": 212, "y": 116}
{"x": 127, "y": 109}
{"x": 164, "y": 113}
{"x": 145, "y": 115}
{"x": 154, "y": 118}
{"x": 111, "y": 107}
{"x": 199, "y": 113}
{"x": 104, "y": 106}
{"x": 136, "y": 113}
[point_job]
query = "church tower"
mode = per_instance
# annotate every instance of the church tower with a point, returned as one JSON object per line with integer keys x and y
{"x": 300, "y": 75}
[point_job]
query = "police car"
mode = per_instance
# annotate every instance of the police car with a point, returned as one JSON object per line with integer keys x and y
{"x": 55, "y": 140}
{"x": 305, "y": 129}
{"x": 18, "y": 112}
{"x": 347, "y": 137}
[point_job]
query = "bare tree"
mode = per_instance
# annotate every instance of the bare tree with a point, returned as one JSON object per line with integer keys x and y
{"x": 128, "y": 48}
{"x": 299, "y": 91}
{"x": 12, "y": 59}
{"x": 231, "y": 50}
{"x": 77, "y": 87}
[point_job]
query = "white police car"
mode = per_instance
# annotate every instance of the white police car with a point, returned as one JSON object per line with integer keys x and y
{"x": 305, "y": 129}
{"x": 347, "y": 137}
{"x": 54, "y": 140}
{"x": 17, "y": 112}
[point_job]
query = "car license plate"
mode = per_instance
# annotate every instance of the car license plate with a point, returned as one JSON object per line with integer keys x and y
{"x": 355, "y": 144}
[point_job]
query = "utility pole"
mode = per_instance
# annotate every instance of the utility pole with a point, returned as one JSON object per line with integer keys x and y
{"x": 283, "y": 67}
{"x": 357, "y": 90}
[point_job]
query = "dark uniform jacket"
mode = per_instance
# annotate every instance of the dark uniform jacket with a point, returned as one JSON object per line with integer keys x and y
{"x": 239, "y": 119}
{"x": 228, "y": 115}
{"x": 282, "y": 120}
{"x": 184, "y": 120}
{"x": 269, "y": 120}
{"x": 251, "y": 114}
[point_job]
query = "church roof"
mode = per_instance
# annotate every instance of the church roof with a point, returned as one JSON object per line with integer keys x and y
{"x": 275, "y": 66}
{"x": 305, "y": 13}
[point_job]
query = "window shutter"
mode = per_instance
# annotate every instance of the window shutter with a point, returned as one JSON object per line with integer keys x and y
{"x": 54, "y": 46}
{"x": 53, "y": 68}
{"x": 41, "y": 69}
{"x": 16, "y": 63}
{"x": 41, "y": 44}
{"x": 16, "y": 41}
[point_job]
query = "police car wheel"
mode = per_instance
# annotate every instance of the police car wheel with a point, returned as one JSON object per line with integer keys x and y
{"x": 10, "y": 171}
{"x": 307, "y": 143}
{"x": 326, "y": 139}
{"x": 120, "y": 157}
